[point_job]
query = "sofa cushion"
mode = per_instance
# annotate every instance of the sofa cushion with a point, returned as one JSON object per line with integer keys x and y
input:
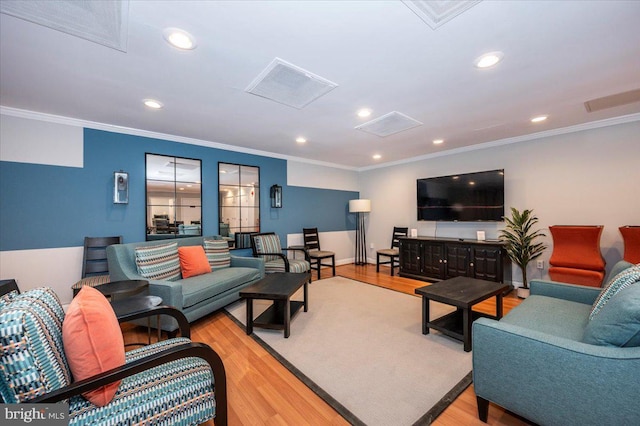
{"x": 158, "y": 262}
{"x": 31, "y": 347}
{"x": 557, "y": 317}
{"x": 93, "y": 341}
{"x": 618, "y": 321}
{"x": 621, "y": 281}
{"x": 217, "y": 252}
{"x": 203, "y": 287}
{"x": 193, "y": 261}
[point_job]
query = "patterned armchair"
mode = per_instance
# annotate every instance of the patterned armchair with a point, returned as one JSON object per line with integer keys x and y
{"x": 169, "y": 382}
{"x": 267, "y": 246}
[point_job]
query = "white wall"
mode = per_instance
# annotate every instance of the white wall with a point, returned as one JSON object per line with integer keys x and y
{"x": 590, "y": 177}
{"x": 40, "y": 142}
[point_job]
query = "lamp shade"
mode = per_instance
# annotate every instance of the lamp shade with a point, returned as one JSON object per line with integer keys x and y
{"x": 359, "y": 206}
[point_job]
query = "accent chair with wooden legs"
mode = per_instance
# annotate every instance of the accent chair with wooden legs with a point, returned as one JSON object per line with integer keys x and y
{"x": 315, "y": 253}
{"x": 392, "y": 253}
{"x": 95, "y": 267}
{"x": 267, "y": 247}
{"x": 48, "y": 355}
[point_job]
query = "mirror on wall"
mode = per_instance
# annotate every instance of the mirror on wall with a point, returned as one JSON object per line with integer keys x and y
{"x": 174, "y": 197}
{"x": 239, "y": 203}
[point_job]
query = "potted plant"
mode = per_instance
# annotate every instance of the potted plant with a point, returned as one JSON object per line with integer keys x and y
{"x": 521, "y": 246}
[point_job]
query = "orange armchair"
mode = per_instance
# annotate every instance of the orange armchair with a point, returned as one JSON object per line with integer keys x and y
{"x": 631, "y": 237}
{"x": 576, "y": 257}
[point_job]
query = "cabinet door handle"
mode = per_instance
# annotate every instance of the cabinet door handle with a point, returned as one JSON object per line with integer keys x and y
{"x": 471, "y": 264}
{"x": 440, "y": 260}
{"x": 445, "y": 261}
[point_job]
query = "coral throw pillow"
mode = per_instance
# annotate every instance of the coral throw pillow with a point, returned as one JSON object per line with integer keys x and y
{"x": 93, "y": 341}
{"x": 193, "y": 261}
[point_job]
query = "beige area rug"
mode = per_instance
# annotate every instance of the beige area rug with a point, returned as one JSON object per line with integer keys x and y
{"x": 361, "y": 348}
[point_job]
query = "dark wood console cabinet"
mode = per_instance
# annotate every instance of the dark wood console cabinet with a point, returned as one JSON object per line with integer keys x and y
{"x": 435, "y": 259}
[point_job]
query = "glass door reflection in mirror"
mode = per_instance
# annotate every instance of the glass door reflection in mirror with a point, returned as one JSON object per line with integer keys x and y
{"x": 174, "y": 197}
{"x": 239, "y": 201}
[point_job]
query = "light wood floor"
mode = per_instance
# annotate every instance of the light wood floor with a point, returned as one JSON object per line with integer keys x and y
{"x": 262, "y": 392}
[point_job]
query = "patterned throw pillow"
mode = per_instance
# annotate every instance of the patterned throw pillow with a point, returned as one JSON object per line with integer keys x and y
{"x": 217, "y": 252}
{"x": 621, "y": 281}
{"x": 159, "y": 262}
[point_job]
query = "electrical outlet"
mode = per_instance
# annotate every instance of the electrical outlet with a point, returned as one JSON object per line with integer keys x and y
{"x": 540, "y": 264}
{"x": 371, "y": 246}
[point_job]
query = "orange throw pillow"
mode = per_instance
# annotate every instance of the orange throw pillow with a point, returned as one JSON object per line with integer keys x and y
{"x": 193, "y": 261}
{"x": 93, "y": 341}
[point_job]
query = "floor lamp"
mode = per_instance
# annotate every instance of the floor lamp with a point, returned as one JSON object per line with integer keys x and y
{"x": 359, "y": 207}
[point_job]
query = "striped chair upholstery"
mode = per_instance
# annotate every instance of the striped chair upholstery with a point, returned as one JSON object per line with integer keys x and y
{"x": 267, "y": 246}
{"x": 33, "y": 364}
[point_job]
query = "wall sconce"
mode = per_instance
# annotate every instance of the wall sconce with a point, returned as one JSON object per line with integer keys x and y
{"x": 120, "y": 187}
{"x": 276, "y": 197}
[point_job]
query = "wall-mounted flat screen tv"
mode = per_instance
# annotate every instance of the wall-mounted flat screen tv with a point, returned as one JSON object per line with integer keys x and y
{"x": 465, "y": 197}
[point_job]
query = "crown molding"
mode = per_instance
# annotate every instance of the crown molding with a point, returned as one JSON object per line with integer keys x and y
{"x": 516, "y": 139}
{"x": 58, "y": 119}
{"x": 21, "y": 113}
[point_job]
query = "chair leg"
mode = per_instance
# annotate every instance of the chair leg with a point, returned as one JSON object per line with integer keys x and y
{"x": 333, "y": 265}
{"x": 319, "y": 267}
{"x": 393, "y": 264}
{"x": 483, "y": 409}
{"x": 377, "y": 263}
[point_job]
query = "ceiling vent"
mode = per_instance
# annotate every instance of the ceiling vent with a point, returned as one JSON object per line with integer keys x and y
{"x": 290, "y": 85}
{"x": 438, "y": 12}
{"x": 389, "y": 124}
{"x": 102, "y": 22}
{"x": 611, "y": 101}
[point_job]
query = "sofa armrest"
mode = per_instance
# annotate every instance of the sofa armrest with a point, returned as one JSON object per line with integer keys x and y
{"x": 248, "y": 262}
{"x": 553, "y": 380}
{"x": 571, "y": 292}
{"x": 169, "y": 291}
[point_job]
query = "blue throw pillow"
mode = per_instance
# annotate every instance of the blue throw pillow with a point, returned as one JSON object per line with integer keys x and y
{"x": 618, "y": 321}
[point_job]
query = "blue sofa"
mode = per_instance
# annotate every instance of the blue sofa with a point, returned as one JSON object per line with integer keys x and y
{"x": 194, "y": 296}
{"x": 536, "y": 361}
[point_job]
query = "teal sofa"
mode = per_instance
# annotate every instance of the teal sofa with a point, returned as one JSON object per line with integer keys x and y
{"x": 194, "y": 296}
{"x": 539, "y": 361}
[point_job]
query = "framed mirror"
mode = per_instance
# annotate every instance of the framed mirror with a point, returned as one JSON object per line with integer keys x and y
{"x": 174, "y": 197}
{"x": 239, "y": 203}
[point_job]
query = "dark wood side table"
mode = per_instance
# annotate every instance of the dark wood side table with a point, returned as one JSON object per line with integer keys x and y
{"x": 278, "y": 287}
{"x": 126, "y": 299}
{"x": 463, "y": 293}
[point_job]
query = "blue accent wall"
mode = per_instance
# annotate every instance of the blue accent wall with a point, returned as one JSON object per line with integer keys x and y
{"x": 51, "y": 206}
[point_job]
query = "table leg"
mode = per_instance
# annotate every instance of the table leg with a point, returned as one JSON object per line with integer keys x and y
{"x": 306, "y": 293}
{"x": 425, "y": 315}
{"x": 467, "y": 319}
{"x": 499, "y": 305}
{"x": 249, "y": 316}
{"x": 287, "y": 318}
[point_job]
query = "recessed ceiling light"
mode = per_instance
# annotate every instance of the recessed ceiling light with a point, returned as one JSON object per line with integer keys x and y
{"x": 301, "y": 140}
{"x": 179, "y": 38}
{"x": 152, "y": 103}
{"x": 488, "y": 59}
{"x": 438, "y": 141}
{"x": 539, "y": 118}
{"x": 364, "y": 113}
{"x": 377, "y": 156}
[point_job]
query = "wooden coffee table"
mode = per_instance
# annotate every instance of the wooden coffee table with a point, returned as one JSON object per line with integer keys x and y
{"x": 463, "y": 293}
{"x": 278, "y": 287}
